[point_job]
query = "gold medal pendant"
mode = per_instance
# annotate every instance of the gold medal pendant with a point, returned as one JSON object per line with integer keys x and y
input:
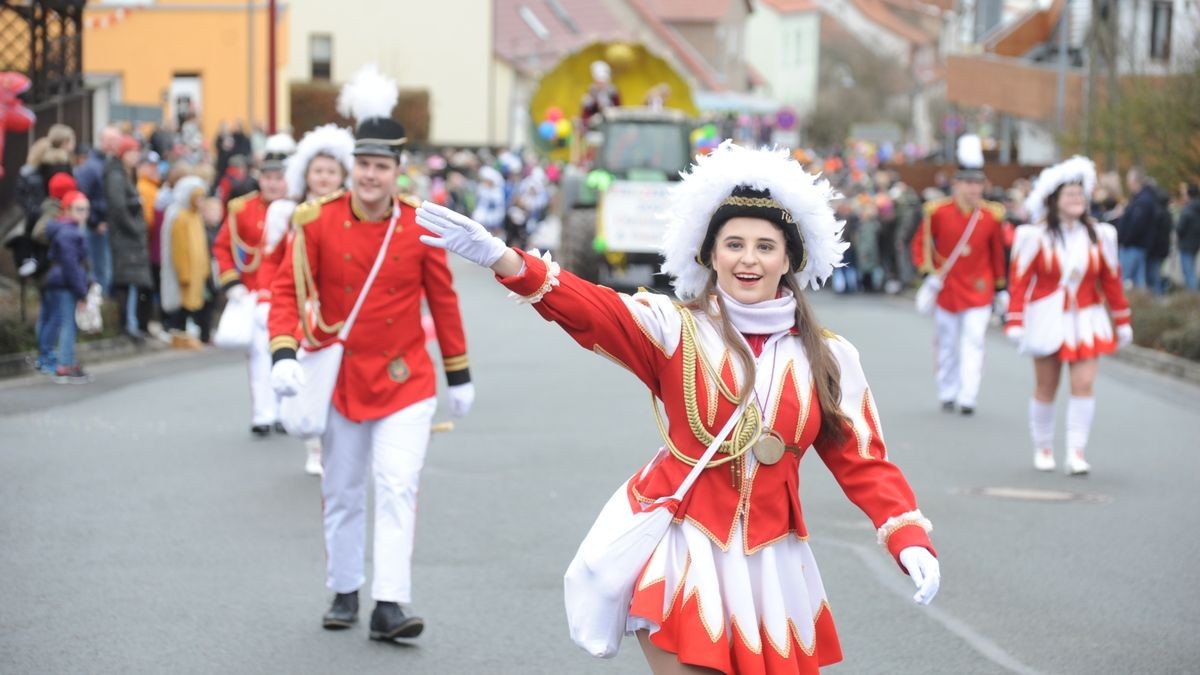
{"x": 769, "y": 448}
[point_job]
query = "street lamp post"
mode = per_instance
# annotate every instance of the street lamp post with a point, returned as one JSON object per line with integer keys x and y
{"x": 271, "y": 15}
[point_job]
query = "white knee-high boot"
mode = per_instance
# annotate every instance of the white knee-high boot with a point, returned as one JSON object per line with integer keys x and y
{"x": 1080, "y": 411}
{"x": 1041, "y": 429}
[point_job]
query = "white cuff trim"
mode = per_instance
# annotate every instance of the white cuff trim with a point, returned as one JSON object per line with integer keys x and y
{"x": 552, "y": 271}
{"x": 904, "y": 519}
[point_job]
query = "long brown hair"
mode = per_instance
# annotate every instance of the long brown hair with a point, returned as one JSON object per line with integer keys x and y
{"x": 825, "y": 371}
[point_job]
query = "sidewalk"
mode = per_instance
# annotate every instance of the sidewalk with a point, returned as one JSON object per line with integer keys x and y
{"x": 88, "y": 353}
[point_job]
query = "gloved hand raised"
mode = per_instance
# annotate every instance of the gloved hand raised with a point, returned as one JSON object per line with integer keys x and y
{"x": 924, "y": 570}
{"x": 459, "y": 234}
{"x": 287, "y": 377}
{"x": 461, "y": 397}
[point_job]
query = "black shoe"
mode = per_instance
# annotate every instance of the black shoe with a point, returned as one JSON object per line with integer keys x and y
{"x": 389, "y": 622}
{"x": 343, "y": 613}
{"x": 948, "y": 406}
{"x": 966, "y": 411}
{"x": 261, "y": 430}
{"x": 278, "y": 427}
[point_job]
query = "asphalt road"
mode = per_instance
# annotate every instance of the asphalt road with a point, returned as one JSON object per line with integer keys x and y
{"x": 142, "y": 529}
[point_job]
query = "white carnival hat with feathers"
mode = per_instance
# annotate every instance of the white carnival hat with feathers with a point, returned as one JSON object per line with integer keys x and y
{"x": 329, "y": 140}
{"x": 970, "y": 152}
{"x": 1078, "y": 170}
{"x": 276, "y": 150}
{"x": 712, "y": 181}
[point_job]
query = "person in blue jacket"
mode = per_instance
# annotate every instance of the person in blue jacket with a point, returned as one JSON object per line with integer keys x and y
{"x": 67, "y": 284}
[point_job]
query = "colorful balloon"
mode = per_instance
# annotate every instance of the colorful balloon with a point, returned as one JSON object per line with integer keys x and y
{"x": 547, "y": 130}
{"x": 563, "y": 128}
{"x": 554, "y": 113}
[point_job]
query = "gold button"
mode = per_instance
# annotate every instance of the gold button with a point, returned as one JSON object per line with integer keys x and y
{"x": 349, "y": 352}
{"x": 386, "y": 353}
{"x": 388, "y": 321}
{"x": 392, "y": 291}
{"x": 346, "y": 224}
{"x": 349, "y": 288}
{"x": 395, "y": 258}
{"x": 346, "y": 257}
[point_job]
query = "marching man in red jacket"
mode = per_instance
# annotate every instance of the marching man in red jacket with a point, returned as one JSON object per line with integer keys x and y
{"x": 239, "y": 251}
{"x": 385, "y": 395}
{"x": 962, "y": 242}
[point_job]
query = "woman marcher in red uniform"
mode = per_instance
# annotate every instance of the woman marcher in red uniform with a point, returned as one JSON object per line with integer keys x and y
{"x": 1064, "y": 270}
{"x": 733, "y": 586}
{"x": 319, "y": 167}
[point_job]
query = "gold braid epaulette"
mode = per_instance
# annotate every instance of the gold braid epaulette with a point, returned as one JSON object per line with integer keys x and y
{"x": 410, "y": 200}
{"x": 997, "y": 209}
{"x": 745, "y": 432}
{"x": 235, "y": 207}
{"x": 935, "y": 204}
{"x": 302, "y": 276}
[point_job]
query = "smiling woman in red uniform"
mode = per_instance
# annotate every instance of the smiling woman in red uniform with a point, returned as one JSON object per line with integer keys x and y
{"x": 385, "y": 396}
{"x": 733, "y": 587}
{"x": 1064, "y": 270}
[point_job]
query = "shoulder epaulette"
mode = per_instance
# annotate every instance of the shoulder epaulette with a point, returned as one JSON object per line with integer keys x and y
{"x": 829, "y": 335}
{"x": 996, "y": 208}
{"x": 306, "y": 212}
{"x": 238, "y": 203}
{"x": 935, "y": 204}
{"x": 410, "y": 201}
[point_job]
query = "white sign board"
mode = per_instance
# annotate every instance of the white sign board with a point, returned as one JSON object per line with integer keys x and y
{"x": 634, "y": 216}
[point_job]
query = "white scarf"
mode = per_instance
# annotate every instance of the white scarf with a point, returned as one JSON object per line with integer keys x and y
{"x": 762, "y": 318}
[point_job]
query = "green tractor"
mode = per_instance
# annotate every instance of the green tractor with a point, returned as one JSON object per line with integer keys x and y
{"x": 614, "y": 208}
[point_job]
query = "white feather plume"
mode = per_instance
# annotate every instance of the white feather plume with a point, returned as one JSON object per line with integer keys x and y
{"x": 970, "y": 152}
{"x": 1078, "y": 169}
{"x": 330, "y": 140}
{"x": 370, "y": 94}
{"x": 280, "y": 144}
{"x": 713, "y": 178}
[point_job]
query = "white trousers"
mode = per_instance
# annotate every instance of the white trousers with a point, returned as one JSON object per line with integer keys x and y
{"x": 264, "y": 404}
{"x": 959, "y": 344}
{"x": 393, "y": 448}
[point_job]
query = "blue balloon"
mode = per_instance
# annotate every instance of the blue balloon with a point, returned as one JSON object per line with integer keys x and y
{"x": 547, "y": 130}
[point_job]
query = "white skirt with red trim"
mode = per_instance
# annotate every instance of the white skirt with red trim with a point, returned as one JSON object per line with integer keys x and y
{"x": 1087, "y": 333}
{"x": 759, "y": 614}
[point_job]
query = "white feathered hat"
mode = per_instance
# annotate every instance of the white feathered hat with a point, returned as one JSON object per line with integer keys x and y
{"x": 369, "y": 98}
{"x": 969, "y": 153}
{"x": 329, "y": 140}
{"x": 1078, "y": 170}
{"x": 793, "y": 195}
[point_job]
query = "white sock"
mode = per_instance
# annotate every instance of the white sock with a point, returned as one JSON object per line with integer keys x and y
{"x": 1080, "y": 411}
{"x": 1041, "y": 424}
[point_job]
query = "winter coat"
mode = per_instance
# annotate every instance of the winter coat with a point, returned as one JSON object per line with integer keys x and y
{"x": 68, "y": 258}
{"x": 1136, "y": 227}
{"x": 1188, "y": 227}
{"x": 170, "y": 292}
{"x": 89, "y": 177}
{"x": 1164, "y": 223}
{"x": 127, "y": 231}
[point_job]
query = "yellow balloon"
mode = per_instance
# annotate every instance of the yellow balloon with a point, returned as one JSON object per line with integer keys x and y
{"x": 619, "y": 56}
{"x": 563, "y": 127}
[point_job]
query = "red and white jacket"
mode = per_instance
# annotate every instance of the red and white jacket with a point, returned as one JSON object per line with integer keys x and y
{"x": 979, "y": 270}
{"x": 644, "y": 333}
{"x": 238, "y": 246}
{"x": 386, "y": 366}
{"x": 1086, "y": 272}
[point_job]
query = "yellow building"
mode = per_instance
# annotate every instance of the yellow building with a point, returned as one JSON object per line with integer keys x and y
{"x": 209, "y": 54}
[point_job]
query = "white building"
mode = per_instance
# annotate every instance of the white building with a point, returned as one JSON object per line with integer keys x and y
{"x": 443, "y": 47}
{"x": 783, "y": 40}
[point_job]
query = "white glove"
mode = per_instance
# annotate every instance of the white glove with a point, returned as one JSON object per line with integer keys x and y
{"x": 461, "y": 397}
{"x": 236, "y": 292}
{"x": 287, "y": 377}
{"x": 459, "y": 234}
{"x": 1014, "y": 334}
{"x": 279, "y": 216}
{"x": 261, "y": 311}
{"x": 924, "y": 570}
{"x": 1124, "y": 335}
{"x": 1000, "y": 303}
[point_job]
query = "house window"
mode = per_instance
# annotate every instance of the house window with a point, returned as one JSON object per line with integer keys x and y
{"x": 320, "y": 52}
{"x": 1160, "y": 30}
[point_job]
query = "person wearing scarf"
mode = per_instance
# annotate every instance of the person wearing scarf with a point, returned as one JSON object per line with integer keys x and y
{"x": 733, "y": 586}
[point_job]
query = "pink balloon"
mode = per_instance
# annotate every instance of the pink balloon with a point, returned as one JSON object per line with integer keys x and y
{"x": 554, "y": 113}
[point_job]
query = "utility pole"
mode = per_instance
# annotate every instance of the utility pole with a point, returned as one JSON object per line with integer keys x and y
{"x": 271, "y": 16}
{"x": 249, "y": 63}
{"x": 1060, "y": 96}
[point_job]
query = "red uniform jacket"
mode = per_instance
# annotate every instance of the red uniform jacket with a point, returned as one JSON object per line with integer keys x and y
{"x": 979, "y": 271}
{"x": 386, "y": 366}
{"x": 642, "y": 333}
{"x": 238, "y": 246}
{"x": 1037, "y": 266}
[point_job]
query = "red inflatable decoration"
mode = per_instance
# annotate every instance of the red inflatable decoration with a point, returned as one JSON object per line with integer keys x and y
{"x": 14, "y": 116}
